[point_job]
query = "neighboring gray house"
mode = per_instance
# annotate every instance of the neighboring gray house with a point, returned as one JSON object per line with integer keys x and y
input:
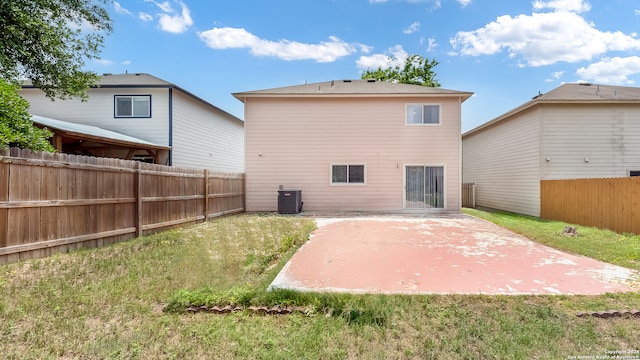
{"x": 354, "y": 145}
{"x": 573, "y": 131}
{"x": 197, "y": 133}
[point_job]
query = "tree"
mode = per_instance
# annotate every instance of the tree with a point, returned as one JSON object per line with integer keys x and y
{"x": 16, "y": 127}
{"x": 47, "y": 41}
{"x": 416, "y": 70}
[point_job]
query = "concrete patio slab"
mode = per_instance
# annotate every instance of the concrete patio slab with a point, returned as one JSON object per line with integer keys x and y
{"x": 451, "y": 254}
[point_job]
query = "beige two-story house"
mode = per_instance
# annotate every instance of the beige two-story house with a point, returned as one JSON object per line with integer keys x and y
{"x": 354, "y": 145}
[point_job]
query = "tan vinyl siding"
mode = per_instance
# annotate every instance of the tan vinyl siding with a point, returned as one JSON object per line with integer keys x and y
{"x": 504, "y": 163}
{"x": 292, "y": 142}
{"x": 99, "y": 111}
{"x": 204, "y": 137}
{"x": 608, "y": 135}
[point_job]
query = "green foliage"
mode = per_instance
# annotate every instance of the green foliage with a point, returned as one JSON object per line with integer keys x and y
{"x": 353, "y": 309}
{"x": 47, "y": 42}
{"x": 416, "y": 70}
{"x": 16, "y": 127}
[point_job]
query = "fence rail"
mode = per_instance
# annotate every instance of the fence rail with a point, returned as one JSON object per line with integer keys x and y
{"x": 610, "y": 203}
{"x": 57, "y": 202}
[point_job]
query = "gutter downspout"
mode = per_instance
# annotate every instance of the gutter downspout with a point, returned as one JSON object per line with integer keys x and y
{"x": 171, "y": 126}
{"x": 460, "y": 181}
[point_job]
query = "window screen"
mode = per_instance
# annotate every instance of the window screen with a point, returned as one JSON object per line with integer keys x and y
{"x": 423, "y": 114}
{"x": 347, "y": 174}
{"x": 133, "y": 106}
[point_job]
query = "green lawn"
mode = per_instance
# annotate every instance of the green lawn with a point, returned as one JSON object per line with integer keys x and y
{"x": 127, "y": 301}
{"x": 605, "y": 245}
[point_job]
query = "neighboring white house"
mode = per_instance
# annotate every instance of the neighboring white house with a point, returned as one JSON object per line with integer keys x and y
{"x": 145, "y": 107}
{"x": 354, "y": 145}
{"x": 573, "y": 131}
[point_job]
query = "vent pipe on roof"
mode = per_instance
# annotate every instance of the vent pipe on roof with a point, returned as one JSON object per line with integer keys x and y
{"x": 371, "y": 80}
{"x": 333, "y": 83}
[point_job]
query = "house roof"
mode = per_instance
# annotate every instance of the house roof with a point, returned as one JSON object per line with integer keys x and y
{"x": 352, "y": 88}
{"x": 94, "y": 133}
{"x": 143, "y": 80}
{"x": 136, "y": 79}
{"x": 574, "y": 93}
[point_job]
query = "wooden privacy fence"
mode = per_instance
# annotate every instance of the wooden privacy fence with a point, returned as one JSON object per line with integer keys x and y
{"x": 612, "y": 203}
{"x": 469, "y": 195}
{"x": 57, "y": 202}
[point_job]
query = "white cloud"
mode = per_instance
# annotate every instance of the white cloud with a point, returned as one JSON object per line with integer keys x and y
{"x": 164, "y": 6}
{"x": 169, "y": 19}
{"x": 543, "y": 38}
{"x": 555, "y": 76}
{"x": 104, "y": 62}
{"x": 145, "y": 17}
{"x": 432, "y": 44}
{"x": 637, "y": 12}
{"x": 436, "y": 4}
{"x": 365, "y": 48}
{"x": 614, "y": 70}
{"x": 563, "y": 5}
{"x": 325, "y": 51}
{"x": 412, "y": 28}
{"x": 120, "y": 9}
{"x": 394, "y": 56}
{"x": 464, "y": 3}
{"x": 176, "y": 23}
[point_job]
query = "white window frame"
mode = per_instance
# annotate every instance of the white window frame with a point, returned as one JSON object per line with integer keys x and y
{"x": 364, "y": 165}
{"x": 132, "y": 97}
{"x": 406, "y": 114}
{"x": 445, "y": 187}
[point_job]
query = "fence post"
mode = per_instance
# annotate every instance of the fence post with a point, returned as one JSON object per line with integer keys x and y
{"x": 138, "y": 192}
{"x": 473, "y": 194}
{"x": 206, "y": 194}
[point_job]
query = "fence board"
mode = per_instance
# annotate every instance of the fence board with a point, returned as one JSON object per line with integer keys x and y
{"x": 609, "y": 203}
{"x": 56, "y": 202}
{"x": 469, "y": 195}
{"x": 4, "y": 196}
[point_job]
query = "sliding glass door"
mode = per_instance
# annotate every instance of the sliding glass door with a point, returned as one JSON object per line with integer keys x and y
{"x": 424, "y": 187}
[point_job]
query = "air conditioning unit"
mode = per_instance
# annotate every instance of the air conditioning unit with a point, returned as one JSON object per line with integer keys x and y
{"x": 289, "y": 201}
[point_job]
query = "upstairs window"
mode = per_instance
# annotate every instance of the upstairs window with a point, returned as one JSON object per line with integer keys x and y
{"x": 129, "y": 106}
{"x": 423, "y": 114}
{"x": 347, "y": 174}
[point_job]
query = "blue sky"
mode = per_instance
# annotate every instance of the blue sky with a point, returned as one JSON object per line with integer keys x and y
{"x": 502, "y": 50}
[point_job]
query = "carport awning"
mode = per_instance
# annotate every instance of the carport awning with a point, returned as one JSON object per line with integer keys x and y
{"x": 84, "y": 139}
{"x": 89, "y": 132}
